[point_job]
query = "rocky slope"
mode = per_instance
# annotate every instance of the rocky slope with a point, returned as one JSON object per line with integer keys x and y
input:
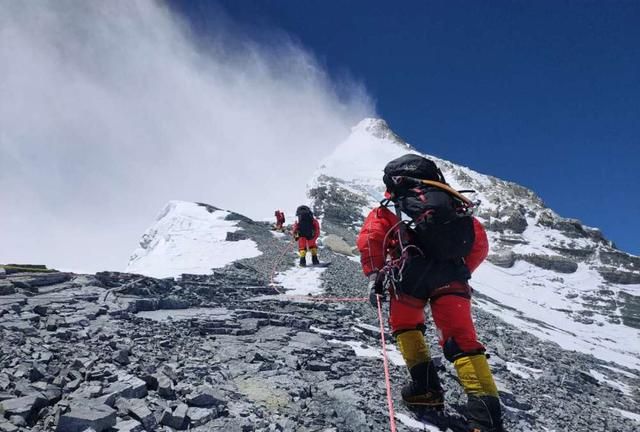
{"x": 225, "y": 351}
{"x": 237, "y": 338}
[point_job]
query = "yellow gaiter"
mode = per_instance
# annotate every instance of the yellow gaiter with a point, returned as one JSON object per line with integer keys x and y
{"x": 413, "y": 347}
{"x": 475, "y": 375}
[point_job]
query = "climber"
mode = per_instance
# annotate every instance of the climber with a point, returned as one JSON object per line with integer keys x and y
{"x": 429, "y": 260}
{"x": 279, "y": 221}
{"x": 306, "y": 231}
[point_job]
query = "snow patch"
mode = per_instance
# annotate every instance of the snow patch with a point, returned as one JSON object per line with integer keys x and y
{"x": 301, "y": 281}
{"x": 523, "y": 371}
{"x": 536, "y": 301}
{"x": 188, "y": 238}
{"x": 321, "y": 331}
{"x": 409, "y": 421}
{"x": 602, "y": 378}
{"x": 627, "y": 414}
{"x": 394, "y": 356}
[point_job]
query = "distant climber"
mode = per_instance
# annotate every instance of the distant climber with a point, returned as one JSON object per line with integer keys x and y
{"x": 306, "y": 231}
{"x": 279, "y": 226}
{"x": 429, "y": 260}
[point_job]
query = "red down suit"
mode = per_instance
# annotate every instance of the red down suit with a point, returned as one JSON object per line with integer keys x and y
{"x": 308, "y": 243}
{"x": 450, "y": 302}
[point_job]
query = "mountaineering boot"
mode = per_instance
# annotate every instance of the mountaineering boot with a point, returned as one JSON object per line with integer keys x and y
{"x": 485, "y": 414}
{"x": 315, "y": 260}
{"x": 483, "y": 403}
{"x": 424, "y": 388}
{"x": 303, "y": 261}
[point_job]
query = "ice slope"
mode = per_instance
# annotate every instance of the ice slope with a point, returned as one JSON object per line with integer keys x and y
{"x": 188, "y": 238}
{"x": 579, "y": 309}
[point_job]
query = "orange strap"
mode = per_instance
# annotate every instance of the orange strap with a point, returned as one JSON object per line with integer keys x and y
{"x": 452, "y": 191}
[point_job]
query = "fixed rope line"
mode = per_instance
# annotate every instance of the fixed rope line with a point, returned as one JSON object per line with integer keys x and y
{"x": 392, "y": 419}
{"x": 275, "y": 267}
{"x": 387, "y": 380}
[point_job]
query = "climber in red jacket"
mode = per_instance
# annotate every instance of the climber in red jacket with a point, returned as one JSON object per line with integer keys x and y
{"x": 306, "y": 231}
{"x": 417, "y": 265}
{"x": 279, "y": 220}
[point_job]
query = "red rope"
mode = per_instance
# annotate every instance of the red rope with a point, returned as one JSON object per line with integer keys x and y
{"x": 392, "y": 420}
{"x": 275, "y": 267}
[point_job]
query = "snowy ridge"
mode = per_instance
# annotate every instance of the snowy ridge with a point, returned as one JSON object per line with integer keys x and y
{"x": 551, "y": 276}
{"x": 189, "y": 238}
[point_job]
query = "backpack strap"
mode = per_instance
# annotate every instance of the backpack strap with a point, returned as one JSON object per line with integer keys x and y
{"x": 440, "y": 185}
{"x": 445, "y": 187}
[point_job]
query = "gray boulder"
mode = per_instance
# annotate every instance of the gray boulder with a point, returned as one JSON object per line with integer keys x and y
{"x": 129, "y": 426}
{"x": 338, "y": 245}
{"x": 139, "y": 410}
{"x": 26, "y": 407}
{"x": 165, "y": 386}
{"x": 176, "y": 419}
{"x": 174, "y": 302}
{"x": 129, "y": 387}
{"x": 87, "y": 414}
{"x": 6, "y": 287}
{"x": 199, "y": 416}
{"x": 6, "y": 426}
{"x": 205, "y": 396}
{"x": 35, "y": 280}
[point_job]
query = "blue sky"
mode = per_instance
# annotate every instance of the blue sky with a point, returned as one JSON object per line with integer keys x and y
{"x": 544, "y": 93}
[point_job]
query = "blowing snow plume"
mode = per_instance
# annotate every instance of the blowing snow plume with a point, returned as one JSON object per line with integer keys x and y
{"x": 110, "y": 109}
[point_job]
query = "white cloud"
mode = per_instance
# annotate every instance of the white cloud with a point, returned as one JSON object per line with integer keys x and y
{"x": 110, "y": 109}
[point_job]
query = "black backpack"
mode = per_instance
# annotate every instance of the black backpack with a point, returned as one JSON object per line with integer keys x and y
{"x": 305, "y": 222}
{"x": 441, "y": 216}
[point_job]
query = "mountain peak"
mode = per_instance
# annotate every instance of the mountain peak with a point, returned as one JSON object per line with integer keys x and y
{"x": 377, "y": 128}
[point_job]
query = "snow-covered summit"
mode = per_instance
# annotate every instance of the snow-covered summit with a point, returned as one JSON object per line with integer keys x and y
{"x": 378, "y": 128}
{"x": 358, "y": 158}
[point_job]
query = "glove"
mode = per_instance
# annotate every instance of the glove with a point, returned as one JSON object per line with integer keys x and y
{"x": 376, "y": 288}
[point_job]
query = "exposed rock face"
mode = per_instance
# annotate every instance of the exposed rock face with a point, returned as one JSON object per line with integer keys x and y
{"x": 338, "y": 206}
{"x": 509, "y": 219}
{"x": 631, "y": 314}
{"x": 617, "y": 276}
{"x": 505, "y": 259}
{"x": 553, "y": 263}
